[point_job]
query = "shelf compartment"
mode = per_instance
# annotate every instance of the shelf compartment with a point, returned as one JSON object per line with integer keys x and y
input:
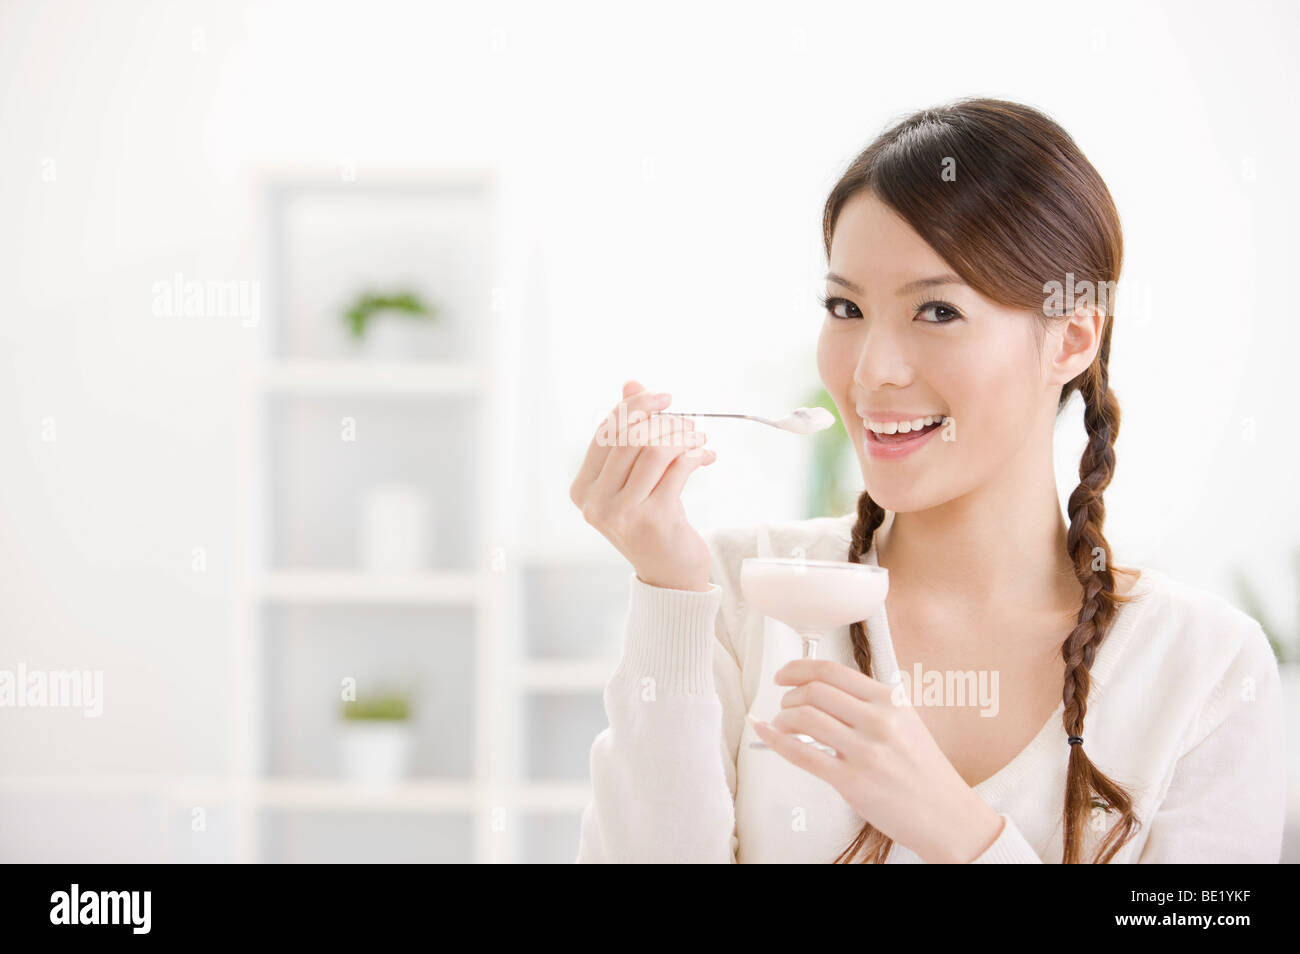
{"x": 306, "y": 376}
{"x": 346, "y": 586}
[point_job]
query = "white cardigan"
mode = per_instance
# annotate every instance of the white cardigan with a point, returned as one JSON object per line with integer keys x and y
{"x": 1184, "y": 711}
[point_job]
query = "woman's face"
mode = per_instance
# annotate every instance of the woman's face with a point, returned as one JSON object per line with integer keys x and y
{"x": 897, "y": 345}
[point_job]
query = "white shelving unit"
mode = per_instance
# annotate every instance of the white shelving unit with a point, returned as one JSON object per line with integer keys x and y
{"x": 498, "y": 795}
{"x": 480, "y": 381}
{"x": 511, "y": 669}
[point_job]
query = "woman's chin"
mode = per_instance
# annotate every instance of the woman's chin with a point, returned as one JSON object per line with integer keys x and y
{"x": 899, "y": 496}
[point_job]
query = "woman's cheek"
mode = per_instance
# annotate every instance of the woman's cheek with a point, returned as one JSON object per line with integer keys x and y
{"x": 835, "y": 363}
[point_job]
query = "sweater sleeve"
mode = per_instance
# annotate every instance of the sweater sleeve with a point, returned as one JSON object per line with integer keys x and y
{"x": 1226, "y": 801}
{"x": 1009, "y": 848}
{"x": 663, "y": 773}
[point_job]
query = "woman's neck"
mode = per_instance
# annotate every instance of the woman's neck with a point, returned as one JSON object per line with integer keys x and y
{"x": 982, "y": 551}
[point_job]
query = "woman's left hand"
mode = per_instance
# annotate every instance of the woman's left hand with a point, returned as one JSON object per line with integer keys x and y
{"x": 888, "y": 766}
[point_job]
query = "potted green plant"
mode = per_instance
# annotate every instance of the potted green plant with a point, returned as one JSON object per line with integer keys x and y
{"x": 389, "y": 324}
{"x": 376, "y": 736}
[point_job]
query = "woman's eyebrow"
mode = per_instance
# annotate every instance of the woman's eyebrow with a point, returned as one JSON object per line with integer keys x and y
{"x": 840, "y": 280}
{"x": 946, "y": 279}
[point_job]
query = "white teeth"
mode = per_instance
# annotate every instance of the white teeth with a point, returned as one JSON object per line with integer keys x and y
{"x": 904, "y": 427}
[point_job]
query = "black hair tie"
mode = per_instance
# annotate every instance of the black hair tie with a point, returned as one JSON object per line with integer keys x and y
{"x": 1075, "y": 740}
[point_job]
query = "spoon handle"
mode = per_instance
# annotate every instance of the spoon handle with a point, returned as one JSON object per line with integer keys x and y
{"x": 702, "y": 414}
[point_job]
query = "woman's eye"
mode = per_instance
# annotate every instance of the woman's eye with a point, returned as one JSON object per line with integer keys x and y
{"x": 843, "y": 309}
{"x": 943, "y": 313}
{"x": 832, "y": 305}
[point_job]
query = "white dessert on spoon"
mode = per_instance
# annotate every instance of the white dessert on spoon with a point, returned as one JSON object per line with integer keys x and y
{"x": 807, "y": 420}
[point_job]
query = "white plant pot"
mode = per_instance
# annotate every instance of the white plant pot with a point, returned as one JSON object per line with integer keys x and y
{"x": 395, "y": 337}
{"x": 395, "y": 535}
{"x": 375, "y": 750}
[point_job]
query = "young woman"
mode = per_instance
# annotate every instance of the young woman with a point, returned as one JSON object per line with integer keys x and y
{"x": 1137, "y": 719}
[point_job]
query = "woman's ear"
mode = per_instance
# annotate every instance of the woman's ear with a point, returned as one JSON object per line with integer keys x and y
{"x": 1075, "y": 342}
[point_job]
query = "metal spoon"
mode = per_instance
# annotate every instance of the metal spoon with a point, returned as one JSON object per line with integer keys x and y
{"x": 803, "y": 420}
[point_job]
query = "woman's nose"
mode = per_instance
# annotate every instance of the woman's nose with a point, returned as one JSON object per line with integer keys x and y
{"x": 882, "y": 361}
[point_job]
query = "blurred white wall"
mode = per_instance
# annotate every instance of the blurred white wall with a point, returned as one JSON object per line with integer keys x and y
{"x": 666, "y": 166}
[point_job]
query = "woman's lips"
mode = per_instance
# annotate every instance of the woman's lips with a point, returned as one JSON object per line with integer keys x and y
{"x": 892, "y": 447}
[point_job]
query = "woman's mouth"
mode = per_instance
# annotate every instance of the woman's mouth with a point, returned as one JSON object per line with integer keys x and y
{"x": 893, "y": 446}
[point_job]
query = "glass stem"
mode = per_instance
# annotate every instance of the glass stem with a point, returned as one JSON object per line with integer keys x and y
{"x": 810, "y": 647}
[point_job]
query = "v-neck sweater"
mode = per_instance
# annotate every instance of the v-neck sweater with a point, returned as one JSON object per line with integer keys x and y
{"x": 1184, "y": 711}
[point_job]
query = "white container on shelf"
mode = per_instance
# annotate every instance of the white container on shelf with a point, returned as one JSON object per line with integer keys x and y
{"x": 375, "y": 751}
{"x": 395, "y": 531}
{"x": 397, "y": 337}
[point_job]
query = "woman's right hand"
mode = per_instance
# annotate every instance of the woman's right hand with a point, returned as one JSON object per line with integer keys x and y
{"x": 630, "y": 486}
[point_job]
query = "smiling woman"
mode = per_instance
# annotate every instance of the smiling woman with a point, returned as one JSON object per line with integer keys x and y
{"x": 990, "y": 202}
{"x": 950, "y": 356}
{"x": 993, "y": 205}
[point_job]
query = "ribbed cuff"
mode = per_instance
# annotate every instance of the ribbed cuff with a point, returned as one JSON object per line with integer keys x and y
{"x": 1010, "y": 848}
{"x": 670, "y": 637}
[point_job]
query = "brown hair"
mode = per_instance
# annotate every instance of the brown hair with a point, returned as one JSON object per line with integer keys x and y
{"x": 1024, "y": 208}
